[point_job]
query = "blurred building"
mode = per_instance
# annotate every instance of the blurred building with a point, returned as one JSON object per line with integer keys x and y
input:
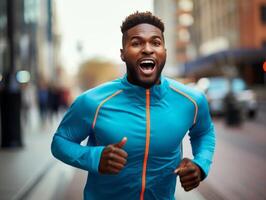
{"x": 228, "y": 33}
{"x": 34, "y": 37}
{"x": 167, "y": 11}
{"x": 28, "y": 43}
{"x": 178, "y": 19}
{"x": 183, "y": 25}
{"x": 216, "y": 26}
{"x": 252, "y": 22}
{"x": 222, "y": 25}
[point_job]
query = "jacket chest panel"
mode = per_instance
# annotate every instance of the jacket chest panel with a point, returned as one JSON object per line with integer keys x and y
{"x": 114, "y": 123}
{"x": 168, "y": 125}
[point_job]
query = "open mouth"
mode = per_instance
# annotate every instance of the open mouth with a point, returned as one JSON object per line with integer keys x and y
{"x": 147, "y": 66}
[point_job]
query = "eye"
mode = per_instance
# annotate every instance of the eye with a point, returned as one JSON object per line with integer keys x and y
{"x": 135, "y": 43}
{"x": 156, "y": 43}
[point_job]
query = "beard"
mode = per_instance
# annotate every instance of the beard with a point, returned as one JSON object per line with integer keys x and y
{"x": 135, "y": 77}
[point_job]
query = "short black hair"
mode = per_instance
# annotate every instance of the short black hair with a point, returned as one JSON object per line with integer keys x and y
{"x": 141, "y": 18}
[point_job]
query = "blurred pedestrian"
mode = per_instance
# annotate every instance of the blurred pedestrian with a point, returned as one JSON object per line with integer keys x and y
{"x": 43, "y": 95}
{"x": 136, "y": 124}
{"x": 53, "y": 100}
{"x": 64, "y": 96}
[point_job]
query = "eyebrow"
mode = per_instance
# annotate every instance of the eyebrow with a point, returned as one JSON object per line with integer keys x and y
{"x": 140, "y": 38}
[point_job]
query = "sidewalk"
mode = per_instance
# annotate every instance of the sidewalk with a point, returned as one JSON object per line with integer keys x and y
{"x": 22, "y": 168}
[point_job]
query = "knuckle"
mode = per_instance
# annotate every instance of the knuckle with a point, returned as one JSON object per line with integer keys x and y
{"x": 109, "y": 162}
{"x": 109, "y": 147}
{"x": 193, "y": 169}
{"x": 124, "y": 162}
{"x": 119, "y": 167}
{"x": 113, "y": 148}
{"x": 195, "y": 175}
{"x": 111, "y": 155}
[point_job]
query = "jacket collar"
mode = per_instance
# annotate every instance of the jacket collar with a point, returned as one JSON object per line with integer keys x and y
{"x": 157, "y": 92}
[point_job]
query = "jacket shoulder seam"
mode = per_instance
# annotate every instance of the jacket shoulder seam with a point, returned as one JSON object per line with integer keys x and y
{"x": 101, "y": 104}
{"x": 190, "y": 99}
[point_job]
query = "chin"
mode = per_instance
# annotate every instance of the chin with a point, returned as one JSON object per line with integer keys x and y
{"x": 148, "y": 83}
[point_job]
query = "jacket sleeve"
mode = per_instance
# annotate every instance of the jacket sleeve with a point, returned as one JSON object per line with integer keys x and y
{"x": 202, "y": 137}
{"x": 73, "y": 129}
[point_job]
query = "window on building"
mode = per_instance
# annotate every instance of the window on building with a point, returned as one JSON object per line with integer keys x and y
{"x": 263, "y": 14}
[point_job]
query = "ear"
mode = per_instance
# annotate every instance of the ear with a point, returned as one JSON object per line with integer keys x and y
{"x": 122, "y": 55}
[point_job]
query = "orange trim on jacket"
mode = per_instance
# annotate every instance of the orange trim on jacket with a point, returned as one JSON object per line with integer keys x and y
{"x": 192, "y": 100}
{"x": 147, "y": 144}
{"x": 100, "y": 105}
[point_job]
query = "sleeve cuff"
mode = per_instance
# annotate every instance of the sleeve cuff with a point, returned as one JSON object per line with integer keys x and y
{"x": 95, "y": 154}
{"x": 204, "y": 165}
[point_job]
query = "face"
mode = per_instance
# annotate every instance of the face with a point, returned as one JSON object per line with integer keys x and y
{"x": 144, "y": 54}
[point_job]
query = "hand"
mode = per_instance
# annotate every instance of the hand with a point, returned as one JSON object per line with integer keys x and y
{"x": 189, "y": 173}
{"x": 113, "y": 158}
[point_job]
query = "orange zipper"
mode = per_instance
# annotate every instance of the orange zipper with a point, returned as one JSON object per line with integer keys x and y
{"x": 143, "y": 182}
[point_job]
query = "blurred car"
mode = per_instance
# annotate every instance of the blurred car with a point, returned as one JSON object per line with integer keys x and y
{"x": 217, "y": 88}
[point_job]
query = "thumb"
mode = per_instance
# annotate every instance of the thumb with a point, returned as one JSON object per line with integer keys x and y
{"x": 121, "y": 143}
{"x": 182, "y": 165}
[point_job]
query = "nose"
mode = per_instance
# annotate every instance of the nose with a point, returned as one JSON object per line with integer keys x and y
{"x": 147, "y": 49}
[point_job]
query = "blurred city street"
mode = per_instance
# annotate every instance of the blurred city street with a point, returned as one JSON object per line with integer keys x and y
{"x": 238, "y": 170}
{"x": 53, "y": 50}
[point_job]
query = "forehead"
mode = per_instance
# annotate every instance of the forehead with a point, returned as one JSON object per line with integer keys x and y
{"x": 144, "y": 31}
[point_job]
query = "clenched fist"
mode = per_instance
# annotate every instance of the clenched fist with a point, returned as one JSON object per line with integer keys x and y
{"x": 189, "y": 173}
{"x": 113, "y": 158}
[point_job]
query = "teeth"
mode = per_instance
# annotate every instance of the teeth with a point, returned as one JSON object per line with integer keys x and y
{"x": 147, "y": 62}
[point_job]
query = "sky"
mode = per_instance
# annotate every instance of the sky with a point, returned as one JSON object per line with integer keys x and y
{"x": 95, "y": 24}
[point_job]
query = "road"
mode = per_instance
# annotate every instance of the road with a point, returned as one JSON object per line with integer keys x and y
{"x": 238, "y": 171}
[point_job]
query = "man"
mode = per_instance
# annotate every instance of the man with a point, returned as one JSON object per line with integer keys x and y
{"x": 136, "y": 125}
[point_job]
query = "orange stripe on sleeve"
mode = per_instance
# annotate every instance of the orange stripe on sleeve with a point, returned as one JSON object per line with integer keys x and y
{"x": 100, "y": 105}
{"x": 192, "y": 100}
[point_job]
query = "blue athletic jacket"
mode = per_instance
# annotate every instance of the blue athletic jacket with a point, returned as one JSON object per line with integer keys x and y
{"x": 154, "y": 121}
